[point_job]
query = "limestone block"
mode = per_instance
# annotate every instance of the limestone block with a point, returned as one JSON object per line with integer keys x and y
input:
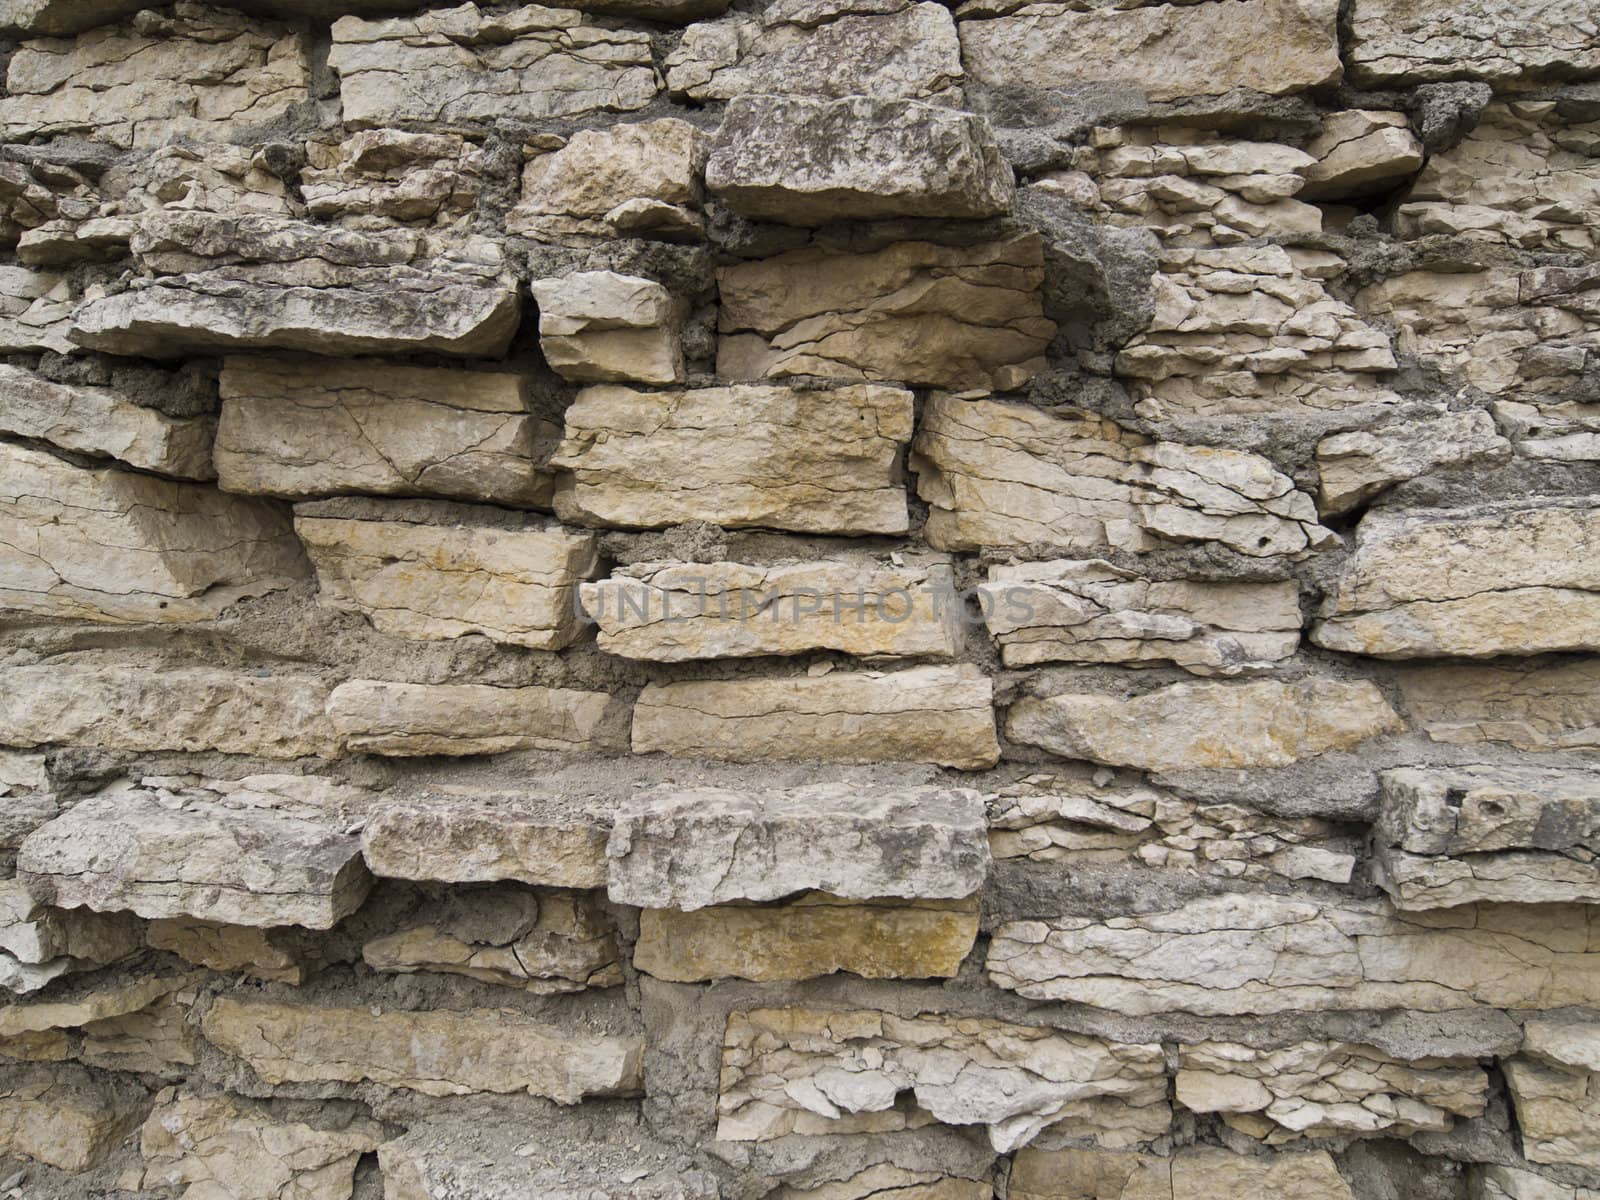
{"x": 910, "y": 1182}
{"x": 1218, "y": 726}
{"x": 267, "y": 850}
{"x": 1169, "y": 52}
{"x": 1243, "y": 954}
{"x": 641, "y": 179}
{"x": 960, "y": 317}
{"x": 1193, "y": 1173}
{"x": 1361, "y": 152}
{"x": 889, "y": 49}
{"x": 540, "y": 941}
{"x": 33, "y": 934}
{"x": 1516, "y": 578}
{"x": 688, "y": 848}
{"x": 675, "y": 612}
{"x": 468, "y": 836}
{"x": 1514, "y": 1183}
{"x": 807, "y": 161}
{"x": 812, "y": 1072}
{"x": 811, "y": 461}
{"x": 815, "y": 934}
{"x": 35, "y": 311}
{"x": 153, "y": 1041}
{"x": 437, "y": 1052}
{"x": 1499, "y": 41}
{"x": 1538, "y": 707}
{"x": 1450, "y": 836}
{"x": 103, "y": 544}
{"x": 602, "y": 327}
{"x": 388, "y": 175}
{"x": 1558, "y": 432}
{"x": 1318, "y": 1089}
{"x": 1088, "y": 610}
{"x": 299, "y": 427}
{"x": 943, "y": 715}
{"x": 436, "y": 572}
{"x": 221, "y": 1146}
{"x": 188, "y": 72}
{"x": 81, "y": 1005}
{"x": 1012, "y": 475}
{"x": 29, "y": 800}
{"x": 99, "y": 421}
{"x": 155, "y": 708}
{"x": 65, "y": 1117}
{"x": 462, "y": 68}
{"x": 1555, "y": 1087}
{"x": 271, "y": 954}
{"x": 61, "y": 18}
{"x": 409, "y": 719}
{"x": 1358, "y": 465}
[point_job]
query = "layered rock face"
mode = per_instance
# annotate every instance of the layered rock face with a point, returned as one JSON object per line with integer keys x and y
{"x": 800, "y": 600}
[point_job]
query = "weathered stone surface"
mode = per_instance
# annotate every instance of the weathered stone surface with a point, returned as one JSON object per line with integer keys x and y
{"x": 1450, "y": 836}
{"x": 1530, "y": 707}
{"x": 64, "y": 1116}
{"x": 189, "y": 72}
{"x": 891, "y": 49}
{"x": 29, "y": 800}
{"x": 1327, "y": 1089}
{"x": 811, "y": 1072}
{"x": 1356, "y": 466}
{"x": 1167, "y": 51}
{"x": 299, "y": 427}
{"x": 962, "y": 317}
{"x": 61, "y": 18}
{"x": 469, "y": 837}
{"x": 1206, "y": 725}
{"x": 462, "y": 68}
{"x": 943, "y": 715}
{"x": 1555, "y": 1086}
{"x": 1513, "y": 1183}
{"x": 103, "y": 544}
{"x": 811, "y": 461}
{"x": 408, "y": 719}
{"x": 99, "y": 421}
{"x": 183, "y": 708}
{"x": 1515, "y": 578}
{"x": 221, "y": 1146}
{"x": 602, "y": 327}
{"x": 35, "y": 311}
{"x": 1010, "y": 475}
{"x": 1359, "y": 153}
{"x": 806, "y": 161}
{"x": 259, "y": 953}
{"x": 544, "y": 941}
{"x": 1194, "y": 1173}
{"x": 82, "y": 1005}
{"x": 1264, "y": 954}
{"x": 1408, "y": 42}
{"x": 39, "y": 944}
{"x": 674, "y": 612}
{"x": 429, "y": 572}
{"x": 1077, "y": 610}
{"x": 268, "y": 850}
{"x": 640, "y": 179}
{"x": 379, "y": 176}
{"x": 437, "y": 1053}
{"x": 157, "y": 1040}
{"x": 914, "y": 1181}
{"x": 816, "y": 934}
{"x": 687, "y": 848}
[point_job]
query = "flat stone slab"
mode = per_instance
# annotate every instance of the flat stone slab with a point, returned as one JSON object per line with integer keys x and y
{"x": 410, "y": 719}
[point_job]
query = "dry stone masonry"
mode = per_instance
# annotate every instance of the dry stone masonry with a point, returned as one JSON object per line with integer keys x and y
{"x": 800, "y": 600}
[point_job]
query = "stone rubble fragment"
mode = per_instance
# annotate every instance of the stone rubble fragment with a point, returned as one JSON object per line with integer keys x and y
{"x": 1496, "y": 1182}
{"x": 1555, "y": 1088}
{"x": 66, "y": 1117}
{"x": 942, "y": 715}
{"x": 1356, "y": 466}
{"x": 1359, "y": 153}
{"x": 35, "y": 311}
{"x": 602, "y": 327}
{"x": 39, "y": 944}
{"x": 88, "y": 1003}
{"x": 261, "y": 953}
{"x": 410, "y": 719}
{"x": 379, "y": 176}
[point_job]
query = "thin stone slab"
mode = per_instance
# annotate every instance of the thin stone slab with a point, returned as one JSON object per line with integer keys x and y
{"x": 1503, "y": 42}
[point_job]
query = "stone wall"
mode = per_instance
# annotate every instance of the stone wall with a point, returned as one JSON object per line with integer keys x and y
{"x": 800, "y": 600}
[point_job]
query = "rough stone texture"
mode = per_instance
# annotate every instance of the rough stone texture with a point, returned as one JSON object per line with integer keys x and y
{"x": 1360, "y": 152}
{"x": 965, "y": 317}
{"x": 673, "y": 612}
{"x": 602, "y": 327}
{"x": 1358, "y": 465}
{"x": 1206, "y": 725}
{"x": 1168, "y": 51}
{"x": 459, "y": 68}
{"x": 941, "y": 715}
{"x": 805, "y": 161}
{"x": 420, "y": 572}
{"x": 437, "y": 1053}
{"x": 690, "y": 848}
{"x": 35, "y": 310}
{"x": 811, "y": 461}
{"x": 1512, "y": 1183}
{"x": 1519, "y": 835}
{"x": 1006, "y": 475}
{"x": 1555, "y": 1085}
{"x": 813, "y": 1072}
{"x": 268, "y": 850}
{"x": 1194, "y": 1173}
{"x": 1539, "y": 707}
{"x": 409, "y": 719}
{"x": 1087, "y": 610}
{"x": 1243, "y": 954}
{"x": 1518, "y": 578}
{"x": 185, "y": 708}
{"x": 1404, "y": 41}
{"x": 39, "y": 944}
{"x": 300, "y": 427}
{"x": 816, "y": 934}
{"x": 386, "y": 176}
{"x": 103, "y": 544}
{"x": 64, "y": 1116}
{"x": 259, "y": 953}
